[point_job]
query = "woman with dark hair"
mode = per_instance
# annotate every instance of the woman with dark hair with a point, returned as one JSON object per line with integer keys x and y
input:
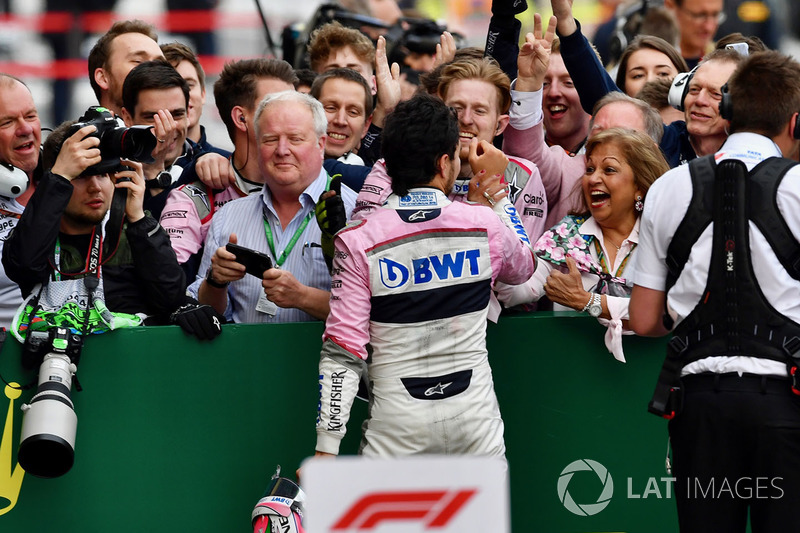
{"x": 647, "y": 58}
{"x": 582, "y": 259}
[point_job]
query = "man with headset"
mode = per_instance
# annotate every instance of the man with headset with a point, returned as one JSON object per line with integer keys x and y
{"x": 20, "y": 141}
{"x": 728, "y": 384}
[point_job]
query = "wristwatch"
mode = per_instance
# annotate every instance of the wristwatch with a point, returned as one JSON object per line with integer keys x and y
{"x": 594, "y": 306}
{"x": 211, "y": 281}
{"x": 162, "y": 181}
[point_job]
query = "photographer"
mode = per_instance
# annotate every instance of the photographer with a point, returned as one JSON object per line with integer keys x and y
{"x": 84, "y": 252}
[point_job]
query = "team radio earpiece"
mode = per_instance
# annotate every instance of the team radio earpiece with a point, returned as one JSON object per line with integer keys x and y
{"x": 13, "y": 181}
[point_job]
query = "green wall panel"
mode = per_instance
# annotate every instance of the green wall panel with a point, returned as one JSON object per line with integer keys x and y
{"x": 175, "y": 434}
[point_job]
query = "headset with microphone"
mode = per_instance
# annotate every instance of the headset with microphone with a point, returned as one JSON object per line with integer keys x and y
{"x": 13, "y": 181}
{"x": 680, "y": 88}
{"x": 680, "y": 84}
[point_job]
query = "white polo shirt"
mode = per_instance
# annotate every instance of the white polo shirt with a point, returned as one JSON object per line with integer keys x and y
{"x": 667, "y": 202}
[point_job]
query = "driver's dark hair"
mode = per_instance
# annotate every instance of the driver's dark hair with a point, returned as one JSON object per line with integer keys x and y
{"x": 416, "y": 134}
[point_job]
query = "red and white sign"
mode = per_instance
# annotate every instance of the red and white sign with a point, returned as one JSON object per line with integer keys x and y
{"x": 406, "y": 495}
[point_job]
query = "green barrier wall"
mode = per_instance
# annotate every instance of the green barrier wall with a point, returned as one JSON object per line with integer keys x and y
{"x": 178, "y": 435}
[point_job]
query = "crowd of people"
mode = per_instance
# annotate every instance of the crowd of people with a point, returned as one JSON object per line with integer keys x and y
{"x": 407, "y": 206}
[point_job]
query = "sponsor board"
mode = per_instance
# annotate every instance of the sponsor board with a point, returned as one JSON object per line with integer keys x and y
{"x": 406, "y": 495}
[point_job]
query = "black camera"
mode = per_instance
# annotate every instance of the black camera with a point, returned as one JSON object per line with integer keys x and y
{"x": 49, "y": 423}
{"x": 116, "y": 141}
{"x": 407, "y": 34}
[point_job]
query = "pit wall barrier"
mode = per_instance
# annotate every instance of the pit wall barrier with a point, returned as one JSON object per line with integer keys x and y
{"x": 179, "y": 435}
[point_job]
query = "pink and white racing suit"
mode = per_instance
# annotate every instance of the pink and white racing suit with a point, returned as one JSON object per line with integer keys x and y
{"x": 524, "y": 184}
{"x": 413, "y": 280}
{"x": 187, "y": 216}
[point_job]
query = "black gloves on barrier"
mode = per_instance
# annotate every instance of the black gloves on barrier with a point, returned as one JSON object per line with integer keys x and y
{"x": 199, "y": 320}
{"x": 331, "y": 217}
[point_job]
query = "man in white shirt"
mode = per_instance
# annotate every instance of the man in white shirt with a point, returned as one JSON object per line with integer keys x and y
{"x": 735, "y": 298}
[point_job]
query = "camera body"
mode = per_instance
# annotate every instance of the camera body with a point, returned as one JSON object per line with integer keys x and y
{"x": 407, "y": 34}
{"x": 49, "y": 423}
{"x": 116, "y": 141}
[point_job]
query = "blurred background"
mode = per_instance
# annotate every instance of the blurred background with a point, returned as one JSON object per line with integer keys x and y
{"x": 46, "y": 42}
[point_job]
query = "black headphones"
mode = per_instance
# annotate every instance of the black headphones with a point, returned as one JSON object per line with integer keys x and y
{"x": 726, "y": 110}
{"x": 725, "y": 103}
{"x": 629, "y": 25}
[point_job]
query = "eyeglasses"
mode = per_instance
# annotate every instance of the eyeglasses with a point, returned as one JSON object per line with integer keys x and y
{"x": 699, "y": 18}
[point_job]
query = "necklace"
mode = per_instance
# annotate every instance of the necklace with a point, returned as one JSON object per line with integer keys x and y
{"x": 606, "y": 239}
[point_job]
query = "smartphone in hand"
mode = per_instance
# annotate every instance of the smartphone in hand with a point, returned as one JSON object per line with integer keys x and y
{"x": 255, "y": 262}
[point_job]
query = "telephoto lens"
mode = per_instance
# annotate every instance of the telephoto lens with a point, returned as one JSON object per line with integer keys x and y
{"x": 49, "y": 423}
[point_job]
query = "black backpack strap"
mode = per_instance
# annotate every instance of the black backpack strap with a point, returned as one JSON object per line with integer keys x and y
{"x": 728, "y": 192}
{"x": 763, "y": 210}
{"x": 698, "y": 217}
{"x": 730, "y": 268}
{"x": 116, "y": 219}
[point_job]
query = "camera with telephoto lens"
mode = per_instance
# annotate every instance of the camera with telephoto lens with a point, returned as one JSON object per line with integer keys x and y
{"x": 116, "y": 141}
{"x": 49, "y": 422}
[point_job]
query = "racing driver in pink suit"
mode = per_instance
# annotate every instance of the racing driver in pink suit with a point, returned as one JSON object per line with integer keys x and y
{"x": 413, "y": 280}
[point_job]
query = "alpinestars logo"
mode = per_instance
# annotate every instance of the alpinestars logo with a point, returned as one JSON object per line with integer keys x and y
{"x": 513, "y": 188}
{"x": 435, "y": 508}
{"x": 437, "y": 389}
{"x": 419, "y": 215}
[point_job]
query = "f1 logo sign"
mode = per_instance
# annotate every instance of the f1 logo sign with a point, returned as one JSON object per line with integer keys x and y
{"x": 434, "y": 508}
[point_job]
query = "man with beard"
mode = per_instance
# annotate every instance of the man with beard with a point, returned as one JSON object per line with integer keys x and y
{"x": 94, "y": 275}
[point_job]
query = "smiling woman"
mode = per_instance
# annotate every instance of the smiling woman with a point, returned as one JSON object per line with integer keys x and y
{"x": 583, "y": 257}
{"x": 646, "y": 59}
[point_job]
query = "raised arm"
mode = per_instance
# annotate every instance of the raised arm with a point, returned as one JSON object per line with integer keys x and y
{"x": 585, "y": 68}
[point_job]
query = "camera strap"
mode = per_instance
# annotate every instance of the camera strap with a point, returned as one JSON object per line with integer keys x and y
{"x": 93, "y": 258}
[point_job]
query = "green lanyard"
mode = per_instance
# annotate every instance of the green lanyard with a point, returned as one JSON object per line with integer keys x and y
{"x": 282, "y": 259}
{"x": 602, "y": 257}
